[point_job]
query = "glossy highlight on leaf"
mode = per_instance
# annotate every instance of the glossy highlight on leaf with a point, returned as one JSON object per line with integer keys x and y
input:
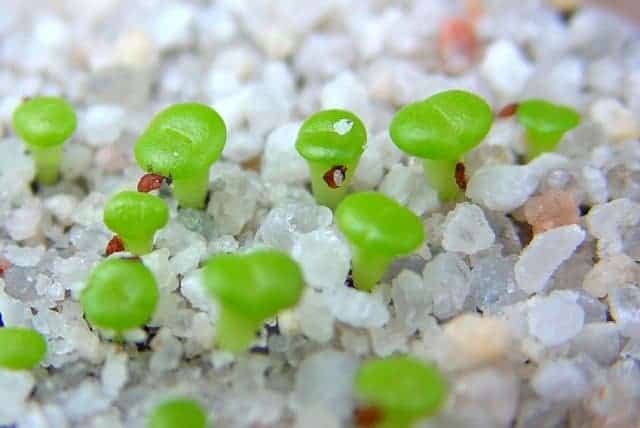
{"x": 21, "y": 348}
{"x": 121, "y": 294}
{"x": 444, "y": 126}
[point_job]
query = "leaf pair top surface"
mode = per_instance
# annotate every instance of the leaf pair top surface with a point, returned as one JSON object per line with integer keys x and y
{"x": 178, "y": 412}
{"x": 135, "y": 214}
{"x": 21, "y": 348}
{"x": 335, "y": 137}
{"x": 44, "y": 121}
{"x": 401, "y": 384}
{"x": 544, "y": 117}
{"x": 121, "y": 294}
{"x": 181, "y": 141}
{"x": 375, "y": 222}
{"x": 442, "y": 127}
{"x": 257, "y": 285}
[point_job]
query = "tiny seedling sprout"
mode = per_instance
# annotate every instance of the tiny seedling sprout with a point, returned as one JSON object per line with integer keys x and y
{"x": 121, "y": 295}
{"x": 182, "y": 142}
{"x": 250, "y": 288}
{"x": 404, "y": 390}
{"x": 545, "y": 124}
{"x": 136, "y": 217}
{"x": 178, "y": 413}
{"x": 332, "y": 142}
{"x": 378, "y": 229}
{"x": 440, "y": 130}
{"x": 21, "y": 348}
{"x": 44, "y": 124}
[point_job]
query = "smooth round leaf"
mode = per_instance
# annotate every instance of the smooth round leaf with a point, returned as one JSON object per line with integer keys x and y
{"x": 401, "y": 385}
{"x": 257, "y": 285}
{"x": 444, "y": 126}
{"x": 135, "y": 214}
{"x": 121, "y": 294}
{"x": 334, "y": 137}
{"x": 543, "y": 117}
{"x": 181, "y": 141}
{"x": 178, "y": 413}
{"x": 21, "y": 348}
{"x": 44, "y": 121}
{"x": 375, "y": 222}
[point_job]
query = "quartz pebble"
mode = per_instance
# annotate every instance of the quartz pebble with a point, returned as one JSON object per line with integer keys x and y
{"x": 502, "y": 187}
{"x": 566, "y": 317}
{"x": 560, "y": 381}
{"x": 612, "y": 272}
{"x": 103, "y": 124}
{"x": 447, "y": 279}
{"x": 624, "y": 304}
{"x": 281, "y": 163}
{"x": 607, "y": 221}
{"x": 551, "y": 209}
{"x": 466, "y": 230}
{"x": 618, "y": 122}
{"x": 544, "y": 254}
{"x": 506, "y": 68}
{"x": 478, "y": 340}
{"x": 407, "y": 186}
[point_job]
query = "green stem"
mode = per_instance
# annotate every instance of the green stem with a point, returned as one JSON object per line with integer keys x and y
{"x": 138, "y": 246}
{"x": 441, "y": 176}
{"x": 234, "y": 332}
{"x": 47, "y": 161}
{"x": 191, "y": 192}
{"x": 368, "y": 267}
{"x": 541, "y": 142}
{"x": 324, "y": 194}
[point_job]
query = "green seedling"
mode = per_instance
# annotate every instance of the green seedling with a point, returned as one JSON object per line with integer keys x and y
{"x": 135, "y": 217}
{"x": 403, "y": 389}
{"x": 379, "y": 230}
{"x": 332, "y": 142}
{"x": 44, "y": 124}
{"x": 440, "y": 130}
{"x": 545, "y": 124}
{"x": 121, "y": 295}
{"x": 178, "y": 413}
{"x": 250, "y": 288}
{"x": 21, "y": 348}
{"x": 182, "y": 142}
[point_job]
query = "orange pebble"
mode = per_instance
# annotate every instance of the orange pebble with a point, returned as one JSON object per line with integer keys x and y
{"x": 551, "y": 209}
{"x": 457, "y": 44}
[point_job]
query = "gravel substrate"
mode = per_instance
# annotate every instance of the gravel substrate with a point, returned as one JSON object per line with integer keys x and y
{"x": 525, "y": 294}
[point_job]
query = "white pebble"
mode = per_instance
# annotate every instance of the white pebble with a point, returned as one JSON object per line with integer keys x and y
{"x": 554, "y": 319}
{"x": 114, "y": 373}
{"x": 609, "y": 273}
{"x": 467, "y": 230}
{"x": 502, "y": 187}
{"x": 281, "y": 162}
{"x": 102, "y": 124}
{"x": 324, "y": 257}
{"x": 406, "y": 184}
{"x": 505, "y": 68}
{"x": 606, "y": 222}
{"x": 358, "y": 308}
{"x": 25, "y": 222}
{"x": 617, "y": 121}
{"x": 624, "y": 304}
{"x": 544, "y": 254}
{"x": 24, "y": 256}
{"x": 560, "y": 381}
{"x": 448, "y": 279}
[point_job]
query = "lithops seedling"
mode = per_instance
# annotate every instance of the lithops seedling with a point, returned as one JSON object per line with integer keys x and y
{"x": 178, "y": 413}
{"x": 182, "y": 142}
{"x": 402, "y": 389}
{"x": 379, "y": 229}
{"x": 121, "y": 295}
{"x": 21, "y": 348}
{"x": 545, "y": 123}
{"x": 44, "y": 124}
{"x": 440, "y": 130}
{"x": 332, "y": 142}
{"x": 249, "y": 289}
{"x": 136, "y": 217}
